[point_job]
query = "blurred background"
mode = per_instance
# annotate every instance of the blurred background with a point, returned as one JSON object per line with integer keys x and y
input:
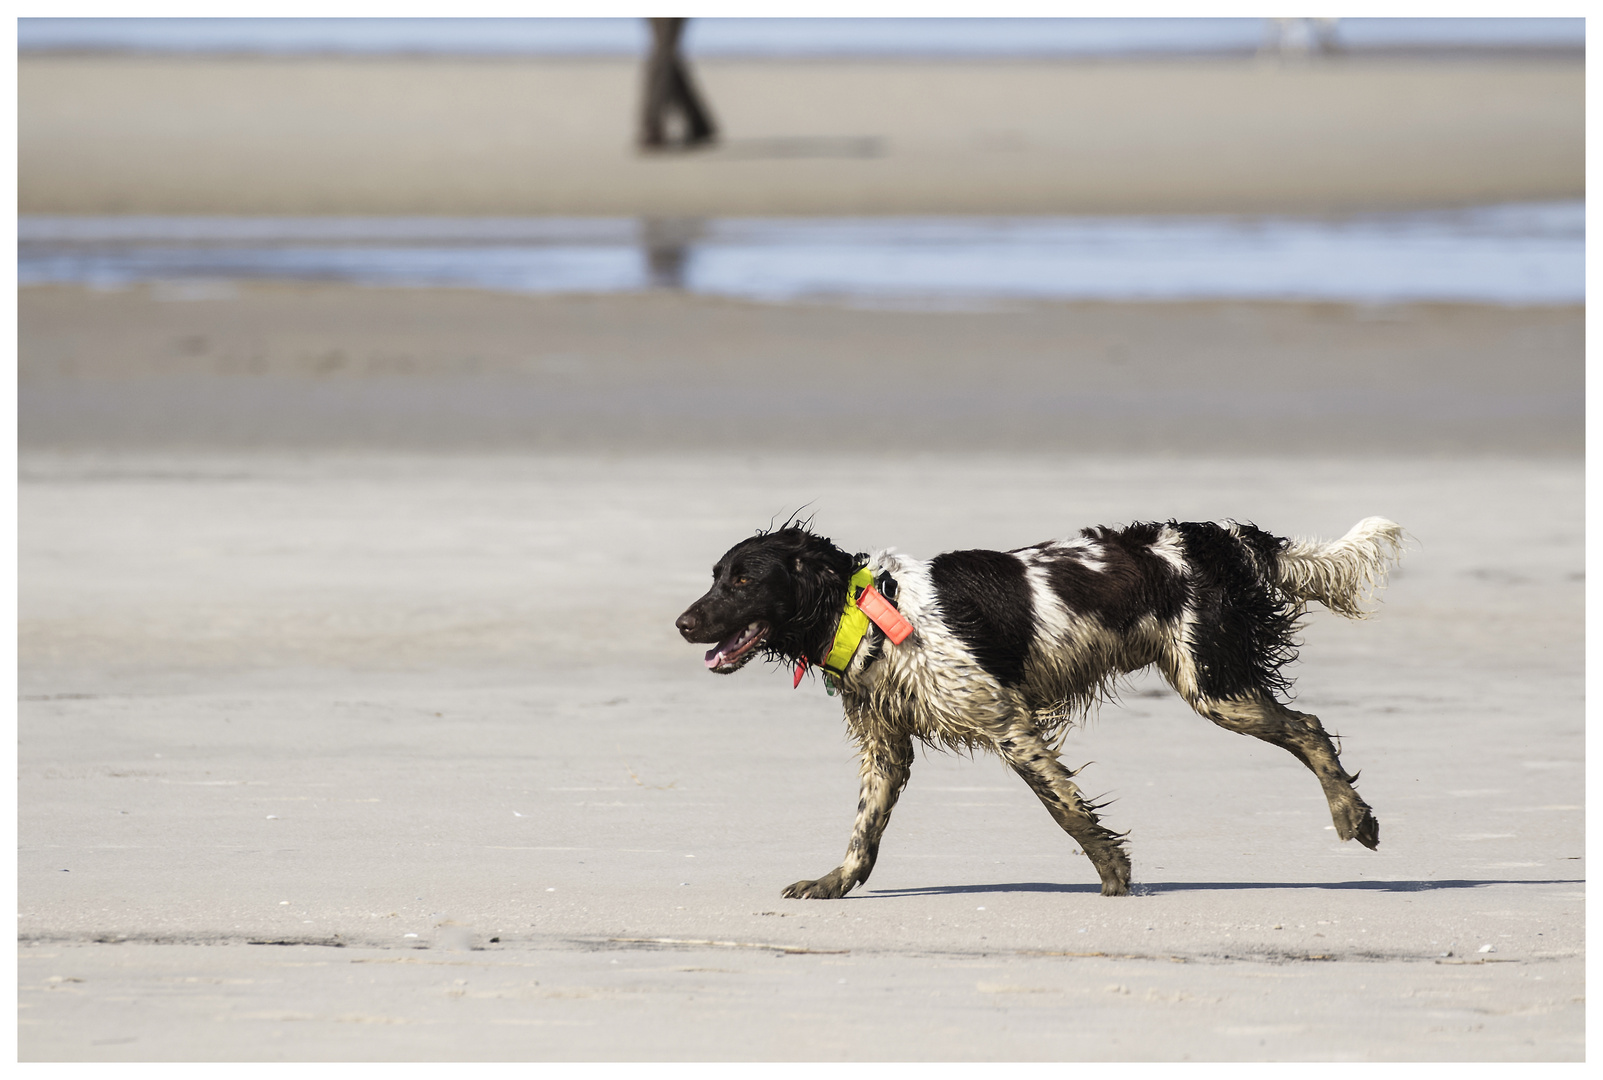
{"x": 1170, "y": 235}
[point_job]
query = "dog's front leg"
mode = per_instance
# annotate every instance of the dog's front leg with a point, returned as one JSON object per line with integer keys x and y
{"x": 886, "y": 763}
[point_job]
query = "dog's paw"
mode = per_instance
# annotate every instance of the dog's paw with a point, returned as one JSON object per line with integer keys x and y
{"x": 1368, "y": 832}
{"x": 1115, "y": 874}
{"x": 1358, "y": 823}
{"x": 828, "y": 887}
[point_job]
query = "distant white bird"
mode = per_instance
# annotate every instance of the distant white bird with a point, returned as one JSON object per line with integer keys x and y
{"x": 1288, "y": 38}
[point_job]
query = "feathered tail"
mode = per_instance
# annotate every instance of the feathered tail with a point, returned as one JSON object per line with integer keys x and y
{"x": 1341, "y": 573}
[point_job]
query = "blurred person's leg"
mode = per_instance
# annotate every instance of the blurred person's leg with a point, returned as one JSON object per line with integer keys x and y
{"x": 669, "y": 88}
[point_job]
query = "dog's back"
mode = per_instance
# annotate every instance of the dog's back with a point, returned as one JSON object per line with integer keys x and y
{"x": 1214, "y": 606}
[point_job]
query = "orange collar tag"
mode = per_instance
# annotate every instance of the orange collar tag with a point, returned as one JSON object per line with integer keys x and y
{"x": 884, "y": 616}
{"x": 869, "y": 605}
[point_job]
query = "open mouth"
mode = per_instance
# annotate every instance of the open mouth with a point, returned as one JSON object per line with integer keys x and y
{"x": 733, "y": 652}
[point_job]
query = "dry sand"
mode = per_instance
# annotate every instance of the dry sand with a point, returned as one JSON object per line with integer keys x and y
{"x": 319, "y": 651}
{"x": 390, "y": 757}
{"x": 315, "y": 136}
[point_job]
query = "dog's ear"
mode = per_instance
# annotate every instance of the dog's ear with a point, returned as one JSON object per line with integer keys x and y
{"x": 821, "y": 568}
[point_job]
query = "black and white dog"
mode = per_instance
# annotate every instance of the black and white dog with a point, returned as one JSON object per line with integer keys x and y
{"x": 1002, "y": 650}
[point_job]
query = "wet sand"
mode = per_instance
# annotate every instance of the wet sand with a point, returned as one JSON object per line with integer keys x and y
{"x": 440, "y": 136}
{"x": 329, "y": 367}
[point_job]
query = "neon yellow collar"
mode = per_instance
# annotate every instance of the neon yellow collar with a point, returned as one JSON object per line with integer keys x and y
{"x": 853, "y": 626}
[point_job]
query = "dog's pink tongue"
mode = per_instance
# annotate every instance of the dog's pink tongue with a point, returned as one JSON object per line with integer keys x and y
{"x": 713, "y": 655}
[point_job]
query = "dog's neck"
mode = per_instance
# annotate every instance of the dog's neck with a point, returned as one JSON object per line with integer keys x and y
{"x": 851, "y": 626}
{"x": 822, "y": 585}
{"x": 831, "y": 607}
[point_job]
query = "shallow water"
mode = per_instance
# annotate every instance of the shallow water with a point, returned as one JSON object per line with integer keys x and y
{"x": 1511, "y": 254}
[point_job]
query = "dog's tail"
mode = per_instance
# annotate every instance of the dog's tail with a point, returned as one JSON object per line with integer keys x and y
{"x": 1341, "y": 573}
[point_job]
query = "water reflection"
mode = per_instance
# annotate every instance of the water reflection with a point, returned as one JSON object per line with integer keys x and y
{"x": 667, "y": 243}
{"x": 1517, "y": 254}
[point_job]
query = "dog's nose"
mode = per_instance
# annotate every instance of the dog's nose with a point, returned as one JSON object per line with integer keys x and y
{"x": 687, "y": 623}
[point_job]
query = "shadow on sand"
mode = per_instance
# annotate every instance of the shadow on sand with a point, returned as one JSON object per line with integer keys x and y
{"x": 1150, "y": 888}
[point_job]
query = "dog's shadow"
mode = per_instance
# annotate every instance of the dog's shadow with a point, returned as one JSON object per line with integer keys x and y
{"x": 1154, "y": 887}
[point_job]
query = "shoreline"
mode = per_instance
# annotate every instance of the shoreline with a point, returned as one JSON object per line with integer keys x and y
{"x": 1515, "y": 255}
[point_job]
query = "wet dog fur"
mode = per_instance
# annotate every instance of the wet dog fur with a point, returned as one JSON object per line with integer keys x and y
{"x": 1009, "y": 647}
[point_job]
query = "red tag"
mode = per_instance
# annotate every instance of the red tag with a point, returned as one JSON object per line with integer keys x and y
{"x": 801, "y": 669}
{"x": 886, "y": 617}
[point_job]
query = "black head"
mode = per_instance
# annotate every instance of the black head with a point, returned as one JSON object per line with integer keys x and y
{"x": 779, "y": 593}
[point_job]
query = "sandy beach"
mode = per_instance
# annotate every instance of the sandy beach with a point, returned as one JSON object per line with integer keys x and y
{"x": 437, "y": 136}
{"x": 354, "y": 725}
{"x": 353, "y": 721}
{"x": 399, "y": 757}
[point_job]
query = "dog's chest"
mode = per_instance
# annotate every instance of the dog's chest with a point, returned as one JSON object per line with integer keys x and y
{"x": 928, "y": 693}
{"x": 930, "y": 686}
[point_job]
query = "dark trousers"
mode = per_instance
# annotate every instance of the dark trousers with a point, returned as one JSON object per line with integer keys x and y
{"x": 669, "y": 89}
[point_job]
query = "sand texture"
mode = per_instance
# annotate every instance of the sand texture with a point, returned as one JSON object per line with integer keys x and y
{"x": 392, "y": 757}
{"x": 396, "y": 136}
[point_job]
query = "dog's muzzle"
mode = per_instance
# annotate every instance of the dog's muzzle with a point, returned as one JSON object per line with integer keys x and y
{"x": 729, "y": 654}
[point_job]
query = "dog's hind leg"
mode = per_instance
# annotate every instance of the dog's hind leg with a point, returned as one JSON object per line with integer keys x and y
{"x": 1029, "y": 756}
{"x": 886, "y": 763}
{"x": 1303, "y": 735}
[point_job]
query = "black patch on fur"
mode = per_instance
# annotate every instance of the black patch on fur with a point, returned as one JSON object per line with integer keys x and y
{"x": 1134, "y": 581}
{"x": 985, "y": 600}
{"x": 1244, "y": 626}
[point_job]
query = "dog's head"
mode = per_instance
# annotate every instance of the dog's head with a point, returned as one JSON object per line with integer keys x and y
{"x": 778, "y": 593}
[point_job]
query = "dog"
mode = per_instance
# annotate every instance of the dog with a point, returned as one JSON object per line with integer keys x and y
{"x": 1003, "y": 650}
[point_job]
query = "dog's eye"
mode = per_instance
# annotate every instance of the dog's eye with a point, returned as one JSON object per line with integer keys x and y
{"x": 742, "y": 580}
